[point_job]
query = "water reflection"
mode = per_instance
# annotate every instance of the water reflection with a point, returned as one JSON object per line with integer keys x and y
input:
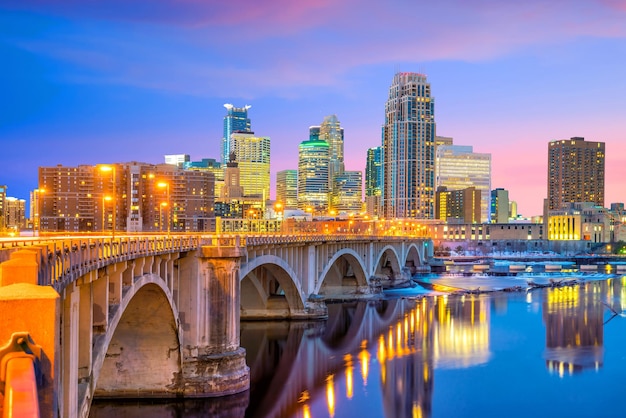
{"x": 382, "y": 358}
{"x": 573, "y": 317}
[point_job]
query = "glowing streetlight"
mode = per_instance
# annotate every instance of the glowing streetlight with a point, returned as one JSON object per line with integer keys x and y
{"x": 166, "y": 186}
{"x": 106, "y": 169}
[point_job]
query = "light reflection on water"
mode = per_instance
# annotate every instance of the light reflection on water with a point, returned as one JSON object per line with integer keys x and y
{"x": 546, "y": 352}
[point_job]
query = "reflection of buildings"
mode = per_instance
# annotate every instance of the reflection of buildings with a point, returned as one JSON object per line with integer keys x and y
{"x": 573, "y": 316}
{"x": 461, "y": 332}
{"x": 405, "y": 356}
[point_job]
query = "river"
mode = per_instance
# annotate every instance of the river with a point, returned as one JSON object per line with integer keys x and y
{"x": 551, "y": 352}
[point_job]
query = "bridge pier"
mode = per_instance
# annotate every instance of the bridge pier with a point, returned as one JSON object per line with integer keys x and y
{"x": 213, "y": 362}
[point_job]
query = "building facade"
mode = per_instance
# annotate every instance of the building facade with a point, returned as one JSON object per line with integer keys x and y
{"x": 15, "y": 214}
{"x": 374, "y": 180}
{"x": 128, "y": 197}
{"x": 575, "y": 172}
{"x": 458, "y": 167}
{"x": 409, "y": 148}
{"x": 347, "y": 194}
{"x": 252, "y": 154}
{"x": 287, "y": 188}
{"x": 313, "y": 191}
{"x": 236, "y": 120}
{"x": 331, "y": 131}
{"x": 458, "y": 206}
{"x": 500, "y": 206}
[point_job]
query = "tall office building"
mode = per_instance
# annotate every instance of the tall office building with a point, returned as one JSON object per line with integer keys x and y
{"x": 459, "y": 167}
{"x": 332, "y": 132}
{"x": 252, "y": 154}
{"x": 236, "y": 120}
{"x": 499, "y": 206}
{"x": 575, "y": 172}
{"x": 287, "y": 188}
{"x": 409, "y": 148}
{"x": 374, "y": 181}
{"x": 347, "y": 193}
{"x": 313, "y": 192}
{"x": 374, "y": 172}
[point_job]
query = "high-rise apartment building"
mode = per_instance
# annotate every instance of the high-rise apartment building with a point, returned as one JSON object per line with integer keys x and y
{"x": 287, "y": 188}
{"x": 252, "y": 154}
{"x": 313, "y": 191}
{"x": 575, "y": 172}
{"x": 131, "y": 197}
{"x": 458, "y": 167}
{"x": 236, "y": 120}
{"x": 409, "y": 148}
{"x": 500, "y": 206}
{"x": 347, "y": 194}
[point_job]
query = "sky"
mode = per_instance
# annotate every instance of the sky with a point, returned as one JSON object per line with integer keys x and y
{"x": 104, "y": 81}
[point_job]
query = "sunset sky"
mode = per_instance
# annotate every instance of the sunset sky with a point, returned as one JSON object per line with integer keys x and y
{"x": 102, "y": 81}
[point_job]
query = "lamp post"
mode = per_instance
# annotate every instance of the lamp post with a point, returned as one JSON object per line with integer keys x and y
{"x": 166, "y": 186}
{"x": 111, "y": 168}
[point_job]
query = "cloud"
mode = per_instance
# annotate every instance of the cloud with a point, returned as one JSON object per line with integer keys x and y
{"x": 286, "y": 48}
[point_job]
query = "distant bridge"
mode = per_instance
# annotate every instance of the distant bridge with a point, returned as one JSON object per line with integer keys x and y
{"x": 158, "y": 316}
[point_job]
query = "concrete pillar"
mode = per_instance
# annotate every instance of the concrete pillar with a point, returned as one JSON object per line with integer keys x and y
{"x": 213, "y": 362}
{"x": 18, "y": 303}
{"x": 309, "y": 282}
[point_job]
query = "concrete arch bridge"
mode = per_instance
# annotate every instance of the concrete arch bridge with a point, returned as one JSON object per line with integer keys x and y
{"x": 158, "y": 316}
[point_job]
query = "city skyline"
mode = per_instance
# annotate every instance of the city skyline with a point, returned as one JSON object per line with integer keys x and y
{"x": 111, "y": 82}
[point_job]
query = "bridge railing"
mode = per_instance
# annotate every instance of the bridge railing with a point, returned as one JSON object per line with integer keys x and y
{"x": 64, "y": 260}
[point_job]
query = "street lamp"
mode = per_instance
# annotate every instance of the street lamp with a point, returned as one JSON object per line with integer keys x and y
{"x": 111, "y": 168}
{"x": 166, "y": 186}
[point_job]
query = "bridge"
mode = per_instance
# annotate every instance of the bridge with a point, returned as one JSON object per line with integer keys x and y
{"x": 158, "y": 316}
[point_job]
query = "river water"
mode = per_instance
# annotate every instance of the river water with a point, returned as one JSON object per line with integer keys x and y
{"x": 551, "y": 352}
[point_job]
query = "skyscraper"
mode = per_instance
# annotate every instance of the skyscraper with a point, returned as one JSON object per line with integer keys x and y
{"x": 408, "y": 143}
{"x": 313, "y": 192}
{"x": 374, "y": 181}
{"x": 331, "y": 132}
{"x": 236, "y": 120}
{"x": 287, "y": 188}
{"x": 575, "y": 172}
{"x": 458, "y": 167}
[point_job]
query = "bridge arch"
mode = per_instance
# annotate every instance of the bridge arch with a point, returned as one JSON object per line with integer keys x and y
{"x": 140, "y": 352}
{"x": 269, "y": 289}
{"x": 413, "y": 258}
{"x": 388, "y": 263}
{"x": 345, "y": 272}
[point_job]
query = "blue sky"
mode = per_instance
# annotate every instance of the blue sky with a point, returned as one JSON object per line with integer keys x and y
{"x": 114, "y": 81}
